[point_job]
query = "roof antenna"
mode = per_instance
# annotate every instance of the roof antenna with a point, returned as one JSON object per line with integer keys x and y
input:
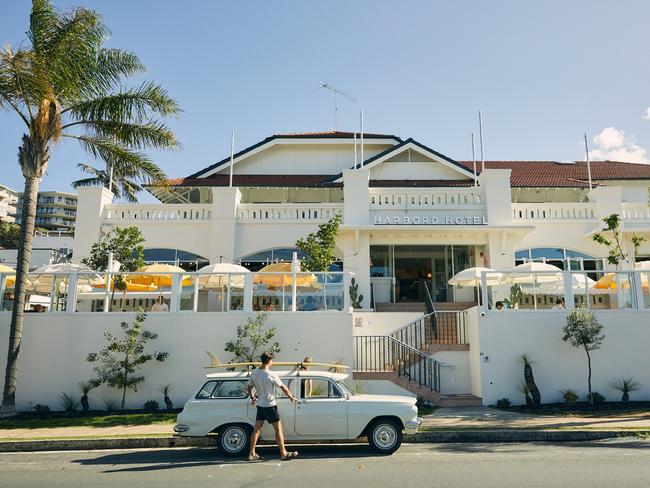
{"x": 480, "y": 131}
{"x": 474, "y": 161}
{"x": 337, "y": 92}
{"x": 232, "y": 155}
{"x": 588, "y": 163}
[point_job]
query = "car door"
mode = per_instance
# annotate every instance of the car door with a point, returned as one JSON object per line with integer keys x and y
{"x": 285, "y": 410}
{"x": 323, "y": 410}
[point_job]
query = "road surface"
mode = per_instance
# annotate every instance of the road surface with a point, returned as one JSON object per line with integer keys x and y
{"x": 624, "y": 463}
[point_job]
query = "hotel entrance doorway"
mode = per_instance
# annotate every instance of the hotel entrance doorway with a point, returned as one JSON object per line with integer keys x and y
{"x": 416, "y": 267}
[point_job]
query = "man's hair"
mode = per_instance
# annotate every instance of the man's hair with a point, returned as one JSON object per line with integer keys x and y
{"x": 266, "y": 357}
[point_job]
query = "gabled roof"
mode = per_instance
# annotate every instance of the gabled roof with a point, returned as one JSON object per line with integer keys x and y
{"x": 555, "y": 174}
{"x": 398, "y": 148}
{"x": 298, "y": 135}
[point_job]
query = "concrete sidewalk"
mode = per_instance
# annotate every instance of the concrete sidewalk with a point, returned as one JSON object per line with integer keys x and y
{"x": 458, "y": 418}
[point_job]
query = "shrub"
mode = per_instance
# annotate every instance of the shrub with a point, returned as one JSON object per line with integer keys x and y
{"x": 69, "y": 402}
{"x": 357, "y": 389}
{"x": 151, "y": 406}
{"x": 597, "y": 398}
{"x": 111, "y": 404}
{"x": 625, "y": 386}
{"x": 41, "y": 410}
{"x": 504, "y": 403}
{"x": 570, "y": 396}
{"x": 166, "y": 390}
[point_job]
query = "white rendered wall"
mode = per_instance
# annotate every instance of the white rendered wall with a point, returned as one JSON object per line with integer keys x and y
{"x": 455, "y": 373}
{"x": 381, "y": 387}
{"x": 54, "y": 350}
{"x": 504, "y": 337}
{"x": 415, "y": 170}
{"x": 381, "y": 323}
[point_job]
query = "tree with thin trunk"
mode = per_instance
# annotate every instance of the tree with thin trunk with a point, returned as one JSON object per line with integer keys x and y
{"x": 65, "y": 85}
{"x": 582, "y": 330}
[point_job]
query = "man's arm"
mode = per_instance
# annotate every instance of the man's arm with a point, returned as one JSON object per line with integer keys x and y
{"x": 286, "y": 391}
{"x": 250, "y": 394}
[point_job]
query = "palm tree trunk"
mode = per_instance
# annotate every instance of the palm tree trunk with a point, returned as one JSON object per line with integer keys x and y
{"x": 22, "y": 269}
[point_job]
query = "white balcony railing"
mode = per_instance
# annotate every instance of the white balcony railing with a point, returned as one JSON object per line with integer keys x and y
{"x": 426, "y": 198}
{"x": 636, "y": 212}
{"x": 157, "y": 213}
{"x": 288, "y": 212}
{"x": 553, "y": 212}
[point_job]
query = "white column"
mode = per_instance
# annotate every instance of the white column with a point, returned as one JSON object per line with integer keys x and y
{"x": 175, "y": 300}
{"x": 223, "y": 235}
{"x": 91, "y": 202}
{"x": 71, "y": 299}
{"x": 496, "y": 188}
{"x": 356, "y": 207}
{"x": 248, "y": 292}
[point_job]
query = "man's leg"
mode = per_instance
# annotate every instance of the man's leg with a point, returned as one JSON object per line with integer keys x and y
{"x": 279, "y": 438}
{"x": 254, "y": 438}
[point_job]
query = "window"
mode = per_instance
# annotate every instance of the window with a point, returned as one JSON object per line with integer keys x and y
{"x": 319, "y": 388}
{"x": 223, "y": 389}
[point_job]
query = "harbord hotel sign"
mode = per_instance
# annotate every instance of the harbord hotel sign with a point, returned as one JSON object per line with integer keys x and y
{"x": 430, "y": 220}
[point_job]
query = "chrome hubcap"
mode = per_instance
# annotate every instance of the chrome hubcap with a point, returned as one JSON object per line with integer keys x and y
{"x": 234, "y": 439}
{"x": 385, "y": 436}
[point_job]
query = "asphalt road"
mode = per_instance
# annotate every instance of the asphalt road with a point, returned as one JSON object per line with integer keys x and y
{"x": 623, "y": 463}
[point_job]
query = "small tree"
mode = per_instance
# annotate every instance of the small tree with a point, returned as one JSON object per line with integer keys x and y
{"x": 85, "y": 387}
{"x": 529, "y": 380}
{"x": 252, "y": 340}
{"x": 319, "y": 246}
{"x": 582, "y": 329}
{"x": 611, "y": 237}
{"x": 119, "y": 361}
{"x": 126, "y": 246}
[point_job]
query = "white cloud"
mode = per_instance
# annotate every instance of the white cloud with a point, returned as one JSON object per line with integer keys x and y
{"x": 647, "y": 114}
{"x": 612, "y": 144}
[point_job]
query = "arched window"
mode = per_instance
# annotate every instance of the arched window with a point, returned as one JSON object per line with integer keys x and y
{"x": 258, "y": 260}
{"x": 184, "y": 259}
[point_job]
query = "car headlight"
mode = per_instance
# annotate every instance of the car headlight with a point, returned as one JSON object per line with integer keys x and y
{"x": 181, "y": 428}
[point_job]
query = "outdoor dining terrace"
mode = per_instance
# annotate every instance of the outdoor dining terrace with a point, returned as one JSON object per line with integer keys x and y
{"x": 181, "y": 292}
{"x": 549, "y": 290}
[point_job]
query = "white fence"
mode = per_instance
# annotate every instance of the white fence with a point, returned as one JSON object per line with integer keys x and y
{"x": 139, "y": 214}
{"x": 288, "y": 212}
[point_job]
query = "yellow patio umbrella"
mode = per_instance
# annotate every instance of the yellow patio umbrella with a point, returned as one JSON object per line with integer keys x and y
{"x": 608, "y": 282}
{"x": 286, "y": 279}
{"x": 10, "y": 280}
{"x": 159, "y": 275}
{"x": 130, "y": 285}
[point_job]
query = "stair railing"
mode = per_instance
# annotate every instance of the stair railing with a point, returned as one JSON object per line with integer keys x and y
{"x": 414, "y": 333}
{"x": 385, "y": 354}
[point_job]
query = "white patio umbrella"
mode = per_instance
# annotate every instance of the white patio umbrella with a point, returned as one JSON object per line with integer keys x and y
{"x": 472, "y": 277}
{"x": 526, "y": 273}
{"x": 215, "y": 277}
{"x": 45, "y": 276}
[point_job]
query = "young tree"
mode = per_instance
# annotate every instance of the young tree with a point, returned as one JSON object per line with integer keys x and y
{"x": 62, "y": 83}
{"x": 126, "y": 245}
{"x": 611, "y": 237}
{"x": 319, "y": 246}
{"x": 120, "y": 360}
{"x": 582, "y": 330}
{"x": 529, "y": 380}
{"x": 252, "y": 340}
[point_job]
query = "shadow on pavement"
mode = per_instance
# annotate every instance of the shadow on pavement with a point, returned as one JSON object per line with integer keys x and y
{"x": 161, "y": 459}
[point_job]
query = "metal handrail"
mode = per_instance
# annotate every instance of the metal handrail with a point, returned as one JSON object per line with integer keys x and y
{"x": 387, "y": 354}
{"x": 413, "y": 333}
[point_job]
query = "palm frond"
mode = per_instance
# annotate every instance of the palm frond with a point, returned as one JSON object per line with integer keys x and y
{"x": 139, "y": 136}
{"x": 129, "y": 105}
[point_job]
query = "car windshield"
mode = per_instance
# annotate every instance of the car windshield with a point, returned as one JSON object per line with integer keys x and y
{"x": 344, "y": 388}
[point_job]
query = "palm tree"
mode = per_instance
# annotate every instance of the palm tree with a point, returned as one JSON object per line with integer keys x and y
{"x": 64, "y": 84}
{"x": 120, "y": 179}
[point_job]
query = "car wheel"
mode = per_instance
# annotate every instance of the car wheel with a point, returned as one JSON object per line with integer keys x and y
{"x": 234, "y": 440}
{"x": 385, "y": 436}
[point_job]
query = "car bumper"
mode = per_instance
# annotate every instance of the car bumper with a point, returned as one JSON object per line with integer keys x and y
{"x": 412, "y": 426}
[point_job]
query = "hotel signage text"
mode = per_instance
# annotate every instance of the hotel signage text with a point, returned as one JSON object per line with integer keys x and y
{"x": 430, "y": 220}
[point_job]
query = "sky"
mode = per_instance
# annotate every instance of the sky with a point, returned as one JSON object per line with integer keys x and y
{"x": 543, "y": 73}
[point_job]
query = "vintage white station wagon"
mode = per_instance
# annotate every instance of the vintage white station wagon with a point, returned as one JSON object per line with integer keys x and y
{"x": 327, "y": 410}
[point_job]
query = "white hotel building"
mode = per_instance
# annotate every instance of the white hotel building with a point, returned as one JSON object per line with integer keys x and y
{"x": 411, "y": 218}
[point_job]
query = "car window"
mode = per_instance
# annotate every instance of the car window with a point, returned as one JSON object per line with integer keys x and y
{"x": 318, "y": 388}
{"x": 279, "y": 393}
{"x": 223, "y": 389}
{"x": 206, "y": 390}
{"x": 231, "y": 389}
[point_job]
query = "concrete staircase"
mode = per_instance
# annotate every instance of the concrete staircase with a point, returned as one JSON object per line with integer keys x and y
{"x": 447, "y": 339}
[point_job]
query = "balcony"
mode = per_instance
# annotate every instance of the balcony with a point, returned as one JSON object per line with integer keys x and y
{"x": 288, "y": 212}
{"x": 153, "y": 214}
{"x": 552, "y": 212}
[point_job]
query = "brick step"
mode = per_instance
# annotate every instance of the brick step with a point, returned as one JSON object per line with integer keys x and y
{"x": 464, "y": 400}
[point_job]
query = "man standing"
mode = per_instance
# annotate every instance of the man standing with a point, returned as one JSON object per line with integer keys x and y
{"x": 264, "y": 381}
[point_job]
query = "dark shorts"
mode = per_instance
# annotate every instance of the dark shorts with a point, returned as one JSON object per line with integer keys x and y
{"x": 270, "y": 414}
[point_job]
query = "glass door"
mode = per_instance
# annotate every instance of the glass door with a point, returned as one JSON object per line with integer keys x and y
{"x": 412, "y": 272}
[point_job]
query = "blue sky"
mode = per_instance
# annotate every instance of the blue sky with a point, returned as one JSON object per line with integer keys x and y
{"x": 542, "y": 72}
